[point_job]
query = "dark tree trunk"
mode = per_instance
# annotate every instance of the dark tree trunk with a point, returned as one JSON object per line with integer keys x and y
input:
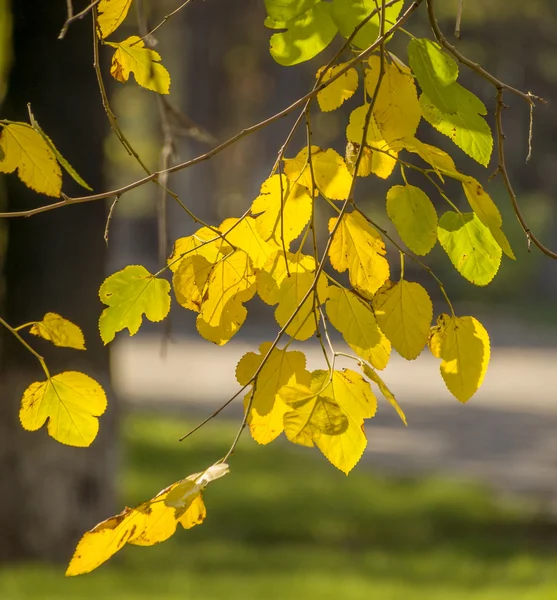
{"x": 50, "y": 493}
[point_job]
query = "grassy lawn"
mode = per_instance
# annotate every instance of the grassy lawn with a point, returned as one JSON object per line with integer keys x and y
{"x": 284, "y": 525}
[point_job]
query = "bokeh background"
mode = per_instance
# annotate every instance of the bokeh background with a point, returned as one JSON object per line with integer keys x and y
{"x": 461, "y": 504}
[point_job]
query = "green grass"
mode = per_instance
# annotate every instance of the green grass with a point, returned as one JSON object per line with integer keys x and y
{"x": 284, "y": 525}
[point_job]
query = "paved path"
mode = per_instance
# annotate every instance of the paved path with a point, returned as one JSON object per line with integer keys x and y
{"x": 505, "y": 436}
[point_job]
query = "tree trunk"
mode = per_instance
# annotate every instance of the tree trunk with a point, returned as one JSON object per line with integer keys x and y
{"x": 50, "y": 493}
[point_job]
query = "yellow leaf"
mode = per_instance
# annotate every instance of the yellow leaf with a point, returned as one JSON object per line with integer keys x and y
{"x": 282, "y": 368}
{"x": 111, "y": 15}
{"x": 149, "y": 523}
{"x": 131, "y": 56}
{"x": 396, "y": 110}
{"x": 246, "y": 237}
{"x": 356, "y": 322}
{"x": 369, "y": 163}
{"x": 404, "y": 312}
{"x": 462, "y": 343}
{"x": 296, "y": 209}
{"x": 103, "y": 541}
{"x": 382, "y": 157}
{"x": 339, "y": 90}
{"x": 130, "y": 294}
{"x": 230, "y": 284}
{"x": 389, "y": 396}
{"x": 71, "y": 401}
{"x": 276, "y": 285}
{"x": 488, "y": 213}
{"x": 358, "y": 247}
{"x": 341, "y": 441}
{"x": 24, "y": 149}
{"x": 414, "y": 217}
{"x": 59, "y": 331}
{"x": 332, "y": 177}
{"x": 192, "y": 262}
{"x": 438, "y": 159}
{"x": 204, "y": 242}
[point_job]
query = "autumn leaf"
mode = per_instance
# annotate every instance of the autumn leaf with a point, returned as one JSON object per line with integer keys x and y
{"x": 358, "y": 247}
{"x": 389, "y": 396}
{"x": 130, "y": 294}
{"x": 381, "y": 157}
{"x": 340, "y": 90}
{"x": 404, "y": 311}
{"x": 330, "y": 414}
{"x": 282, "y": 368}
{"x": 287, "y": 286}
{"x": 59, "y": 331}
{"x": 131, "y": 56}
{"x": 396, "y": 110}
{"x": 462, "y": 344}
{"x": 231, "y": 283}
{"x": 111, "y": 15}
{"x": 281, "y": 217}
{"x": 149, "y": 523}
{"x": 70, "y": 401}
{"x": 355, "y": 320}
{"x": 245, "y": 235}
{"x": 330, "y": 172}
{"x": 24, "y": 149}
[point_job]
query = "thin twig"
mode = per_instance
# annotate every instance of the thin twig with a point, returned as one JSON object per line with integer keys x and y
{"x": 457, "y": 28}
{"x": 71, "y": 17}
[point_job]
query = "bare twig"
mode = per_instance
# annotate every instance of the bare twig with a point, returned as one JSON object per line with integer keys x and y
{"x": 457, "y": 28}
{"x": 71, "y": 17}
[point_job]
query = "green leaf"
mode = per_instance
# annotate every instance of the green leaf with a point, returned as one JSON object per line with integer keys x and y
{"x": 466, "y": 128}
{"x": 305, "y": 37}
{"x": 348, "y": 14}
{"x": 414, "y": 217}
{"x": 130, "y": 294}
{"x": 469, "y": 244}
{"x": 286, "y": 10}
{"x": 435, "y": 71}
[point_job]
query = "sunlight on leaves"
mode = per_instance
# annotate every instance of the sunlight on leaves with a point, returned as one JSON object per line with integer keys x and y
{"x": 59, "y": 331}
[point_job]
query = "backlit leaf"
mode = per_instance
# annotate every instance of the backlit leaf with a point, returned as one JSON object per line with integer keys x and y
{"x": 230, "y": 284}
{"x": 355, "y": 320}
{"x": 462, "y": 343}
{"x": 59, "y": 331}
{"x": 286, "y": 10}
{"x": 389, "y": 396}
{"x": 149, "y": 523}
{"x": 382, "y": 157}
{"x": 315, "y": 418}
{"x": 487, "y": 211}
{"x": 414, "y": 217}
{"x": 130, "y": 294}
{"x": 358, "y": 247}
{"x": 305, "y": 36}
{"x": 276, "y": 285}
{"x": 404, "y": 311}
{"x": 246, "y": 236}
{"x": 131, "y": 56}
{"x": 469, "y": 244}
{"x": 466, "y": 127}
{"x": 70, "y": 401}
{"x": 296, "y": 203}
{"x": 348, "y": 14}
{"x": 396, "y": 110}
{"x": 282, "y": 368}
{"x": 24, "y": 149}
{"x": 111, "y": 15}
{"x": 339, "y": 90}
{"x": 332, "y": 177}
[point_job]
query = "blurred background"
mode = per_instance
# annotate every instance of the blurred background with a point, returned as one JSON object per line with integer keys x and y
{"x": 461, "y": 504}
